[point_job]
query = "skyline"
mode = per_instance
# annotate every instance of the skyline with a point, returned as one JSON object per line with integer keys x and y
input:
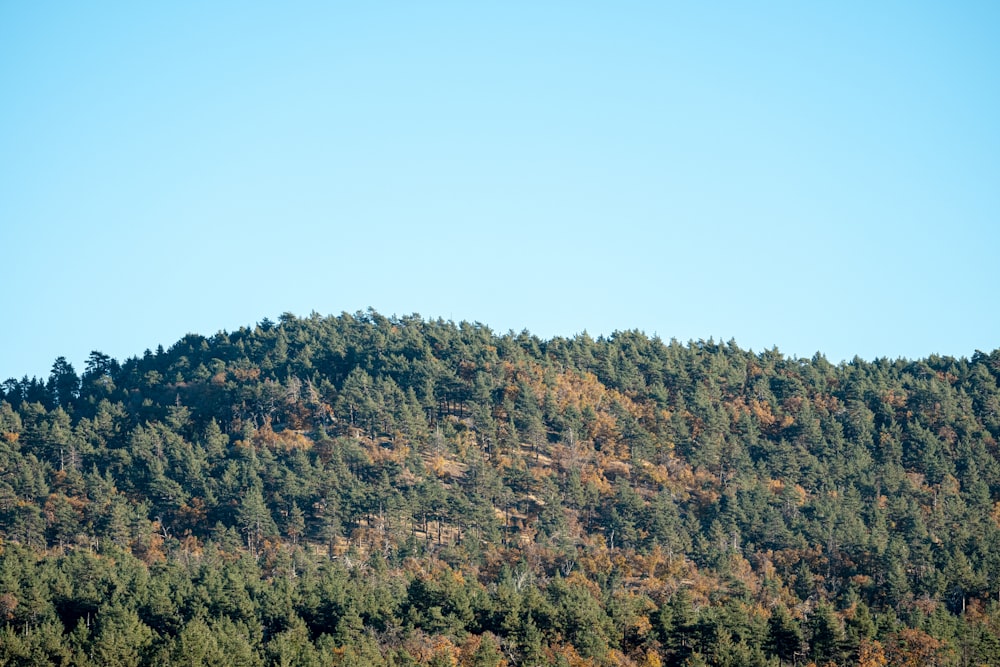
{"x": 815, "y": 179}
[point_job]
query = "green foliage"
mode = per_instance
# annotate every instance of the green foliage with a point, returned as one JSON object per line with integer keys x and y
{"x": 369, "y": 490}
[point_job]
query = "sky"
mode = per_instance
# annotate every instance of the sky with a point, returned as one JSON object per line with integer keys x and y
{"x": 816, "y": 177}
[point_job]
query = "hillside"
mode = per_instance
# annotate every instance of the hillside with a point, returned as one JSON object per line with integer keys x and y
{"x": 363, "y": 490}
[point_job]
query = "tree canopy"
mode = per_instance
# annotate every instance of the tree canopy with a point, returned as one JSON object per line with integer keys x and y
{"x": 367, "y": 490}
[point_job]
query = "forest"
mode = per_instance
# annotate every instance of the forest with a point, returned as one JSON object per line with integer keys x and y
{"x": 391, "y": 491}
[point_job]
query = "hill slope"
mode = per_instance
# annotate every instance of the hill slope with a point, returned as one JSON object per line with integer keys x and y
{"x": 366, "y": 490}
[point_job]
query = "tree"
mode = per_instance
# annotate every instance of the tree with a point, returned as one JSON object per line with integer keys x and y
{"x": 121, "y": 639}
{"x": 98, "y": 379}
{"x": 826, "y": 635}
{"x": 482, "y": 651}
{"x": 64, "y": 384}
{"x": 296, "y": 523}
{"x": 784, "y": 637}
{"x": 255, "y": 519}
{"x": 914, "y": 648}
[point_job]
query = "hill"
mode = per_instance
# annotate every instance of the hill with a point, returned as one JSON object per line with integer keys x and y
{"x": 363, "y": 490}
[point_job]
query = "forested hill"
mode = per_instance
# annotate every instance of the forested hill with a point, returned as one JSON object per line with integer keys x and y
{"x": 363, "y": 490}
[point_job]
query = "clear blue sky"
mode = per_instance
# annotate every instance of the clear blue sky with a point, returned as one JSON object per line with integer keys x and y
{"x": 812, "y": 176}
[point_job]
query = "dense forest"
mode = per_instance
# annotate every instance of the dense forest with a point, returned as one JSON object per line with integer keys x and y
{"x": 364, "y": 490}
